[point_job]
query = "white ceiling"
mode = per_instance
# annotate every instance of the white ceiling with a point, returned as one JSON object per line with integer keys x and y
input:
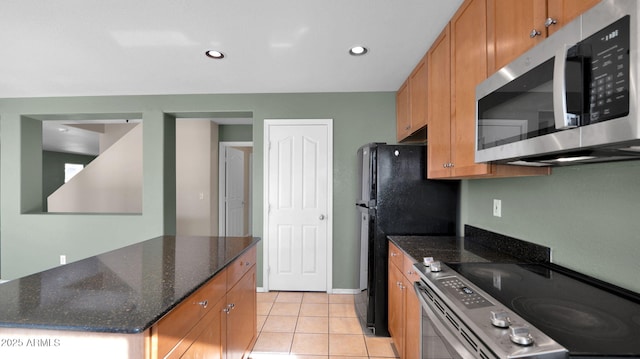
{"x": 125, "y": 47}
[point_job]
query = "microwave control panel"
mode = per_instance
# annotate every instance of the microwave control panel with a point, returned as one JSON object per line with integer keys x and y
{"x": 608, "y": 78}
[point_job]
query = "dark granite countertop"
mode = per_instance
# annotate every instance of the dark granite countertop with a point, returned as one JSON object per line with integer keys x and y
{"x": 478, "y": 245}
{"x": 122, "y": 291}
{"x": 447, "y": 249}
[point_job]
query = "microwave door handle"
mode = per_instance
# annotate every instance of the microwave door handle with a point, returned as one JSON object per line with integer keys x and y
{"x": 563, "y": 119}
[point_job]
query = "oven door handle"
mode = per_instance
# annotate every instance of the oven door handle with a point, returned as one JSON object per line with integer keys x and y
{"x": 563, "y": 119}
{"x": 453, "y": 341}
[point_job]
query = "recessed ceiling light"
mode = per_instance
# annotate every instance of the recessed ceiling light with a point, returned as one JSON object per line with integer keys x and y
{"x": 214, "y": 54}
{"x": 358, "y": 51}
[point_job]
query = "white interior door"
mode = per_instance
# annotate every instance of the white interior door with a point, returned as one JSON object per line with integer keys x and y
{"x": 298, "y": 202}
{"x": 235, "y": 190}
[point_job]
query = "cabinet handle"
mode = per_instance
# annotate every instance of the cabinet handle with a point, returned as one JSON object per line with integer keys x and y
{"x": 534, "y": 33}
{"x": 204, "y": 303}
{"x": 247, "y": 263}
{"x": 393, "y": 254}
{"x": 409, "y": 272}
{"x": 407, "y": 128}
{"x": 226, "y": 310}
{"x": 231, "y": 306}
{"x": 550, "y": 21}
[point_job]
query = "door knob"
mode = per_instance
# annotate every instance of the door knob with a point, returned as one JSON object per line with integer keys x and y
{"x": 321, "y": 217}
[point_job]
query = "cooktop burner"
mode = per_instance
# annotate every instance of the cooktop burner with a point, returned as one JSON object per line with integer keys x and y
{"x": 584, "y": 318}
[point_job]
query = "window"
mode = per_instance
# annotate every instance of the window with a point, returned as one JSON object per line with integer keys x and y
{"x": 71, "y": 169}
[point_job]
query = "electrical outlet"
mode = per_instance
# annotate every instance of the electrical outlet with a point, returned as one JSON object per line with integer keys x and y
{"x": 63, "y": 259}
{"x": 497, "y": 208}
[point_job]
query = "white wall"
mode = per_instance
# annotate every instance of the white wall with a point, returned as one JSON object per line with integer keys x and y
{"x": 196, "y": 177}
{"x": 113, "y": 132}
{"x": 112, "y": 183}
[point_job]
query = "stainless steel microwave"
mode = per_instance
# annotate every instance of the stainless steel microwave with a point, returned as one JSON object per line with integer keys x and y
{"x": 571, "y": 99}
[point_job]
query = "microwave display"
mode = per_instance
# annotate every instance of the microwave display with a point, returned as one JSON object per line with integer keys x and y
{"x": 609, "y": 72}
{"x": 596, "y": 89}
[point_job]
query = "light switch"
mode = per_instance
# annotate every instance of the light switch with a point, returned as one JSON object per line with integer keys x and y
{"x": 497, "y": 208}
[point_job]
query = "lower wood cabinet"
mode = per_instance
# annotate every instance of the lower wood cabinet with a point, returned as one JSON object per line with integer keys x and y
{"x": 217, "y": 321}
{"x": 404, "y": 308}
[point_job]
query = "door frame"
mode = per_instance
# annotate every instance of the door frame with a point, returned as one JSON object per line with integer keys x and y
{"x": 268, "y": 123}
{"x": 222, "y": 173}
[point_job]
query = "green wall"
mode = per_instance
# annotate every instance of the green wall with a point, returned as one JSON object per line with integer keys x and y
{"x": 33, "y": 241}
{"x": 235, "y": 133}
{"x": 587, "y": 214}
{"x": 53, "y": 170}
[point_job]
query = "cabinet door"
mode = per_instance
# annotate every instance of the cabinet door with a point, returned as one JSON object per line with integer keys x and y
{"x": 468, "y": 69}
{"x": 510, "y": 24}
{"x": 241, "y": 317}
{"x": 418, "y": 96}
{"x": 563, "y": 11}
{"x": 212, "y": 334}
{"x": 403, "y": 122}
{"x": 439, "y": 110}
{"x": 396, "y": 307}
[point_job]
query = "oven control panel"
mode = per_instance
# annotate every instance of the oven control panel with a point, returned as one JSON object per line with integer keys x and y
{"x": 467, "y": 296}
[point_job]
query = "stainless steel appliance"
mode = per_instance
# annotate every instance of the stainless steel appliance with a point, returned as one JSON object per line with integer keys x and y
{"x": 508, "y": 310}
{"x": 395, "y": 199}
{"x": 571, "y": 99}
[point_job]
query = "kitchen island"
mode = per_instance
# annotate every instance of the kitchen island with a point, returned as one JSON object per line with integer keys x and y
{"x": 162, "y": 297}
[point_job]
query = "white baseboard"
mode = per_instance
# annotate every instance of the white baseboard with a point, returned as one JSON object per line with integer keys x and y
{"x": 333, "y": 291}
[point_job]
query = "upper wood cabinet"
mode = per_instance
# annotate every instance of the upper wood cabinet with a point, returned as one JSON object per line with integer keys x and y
{"x": 403, "y": 122}
{"x": 411, "y": 103}
{"x": 439, "y": 136}
{"x": 516, "y": 26}
{"x": 457, "y": 63}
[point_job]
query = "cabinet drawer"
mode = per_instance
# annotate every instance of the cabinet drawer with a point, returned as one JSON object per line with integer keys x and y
{"x": 170, "y": 330}
{"x": 408, "y": 271}
{"x": 240, "y": 266}
{"x": 395, "y": 255}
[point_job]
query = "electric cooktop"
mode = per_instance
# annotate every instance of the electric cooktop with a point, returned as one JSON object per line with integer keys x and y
{"x": 581, "y": 314}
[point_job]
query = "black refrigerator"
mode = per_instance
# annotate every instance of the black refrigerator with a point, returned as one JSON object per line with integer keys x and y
{"x": 395, "y": 199}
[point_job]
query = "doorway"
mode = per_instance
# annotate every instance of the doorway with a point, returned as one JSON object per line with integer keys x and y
{"x": 298, "y": 198}
{"x": 235, "y": 186}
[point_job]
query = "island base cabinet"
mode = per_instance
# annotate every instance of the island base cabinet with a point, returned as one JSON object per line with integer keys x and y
{"x": 218, "y": 323}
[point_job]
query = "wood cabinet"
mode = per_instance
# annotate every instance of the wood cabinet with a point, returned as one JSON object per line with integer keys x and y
{"x": 217, "y": 321}
{"x": 457, "y": 62}
{"x": 404, "y": 308}
{"x": 411, "y": 104}
{"x": 516, "y": 26}
{"x": 403, "y": 122}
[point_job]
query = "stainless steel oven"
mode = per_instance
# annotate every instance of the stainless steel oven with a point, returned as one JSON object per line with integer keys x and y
{"x": 492, "y": 310}
{"x": 439, "y": 339}
{"x": 456, "y": 323}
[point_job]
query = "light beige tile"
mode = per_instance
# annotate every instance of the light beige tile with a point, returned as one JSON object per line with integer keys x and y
{"x": 263, "y": 308}
{"x": 341, "y": 310}
{"x": 347, "y": 345}
{"x": 315, "y": 297}
{"x": 298, "y": 356}
{"x": 314, "y": 310}
{"x": 266, "y": 296}
{"x": 311, "y": 344}
{"x": 276, "y": 343}
{"x": 380, "y": 347}
{"x": 285, "y": 309}
{"x": 289, "y": 297}
{"x": 313, "y": 325}
{"x": 341, "y": 298}
{"x": 347, "y": 357}
{"x": 344, "y": 325}
{"x": 260, "y": 322}
{"x": 280, "y": 323}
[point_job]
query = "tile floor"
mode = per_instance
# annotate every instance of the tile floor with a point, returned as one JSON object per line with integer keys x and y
{"x": 314, "y": 326}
